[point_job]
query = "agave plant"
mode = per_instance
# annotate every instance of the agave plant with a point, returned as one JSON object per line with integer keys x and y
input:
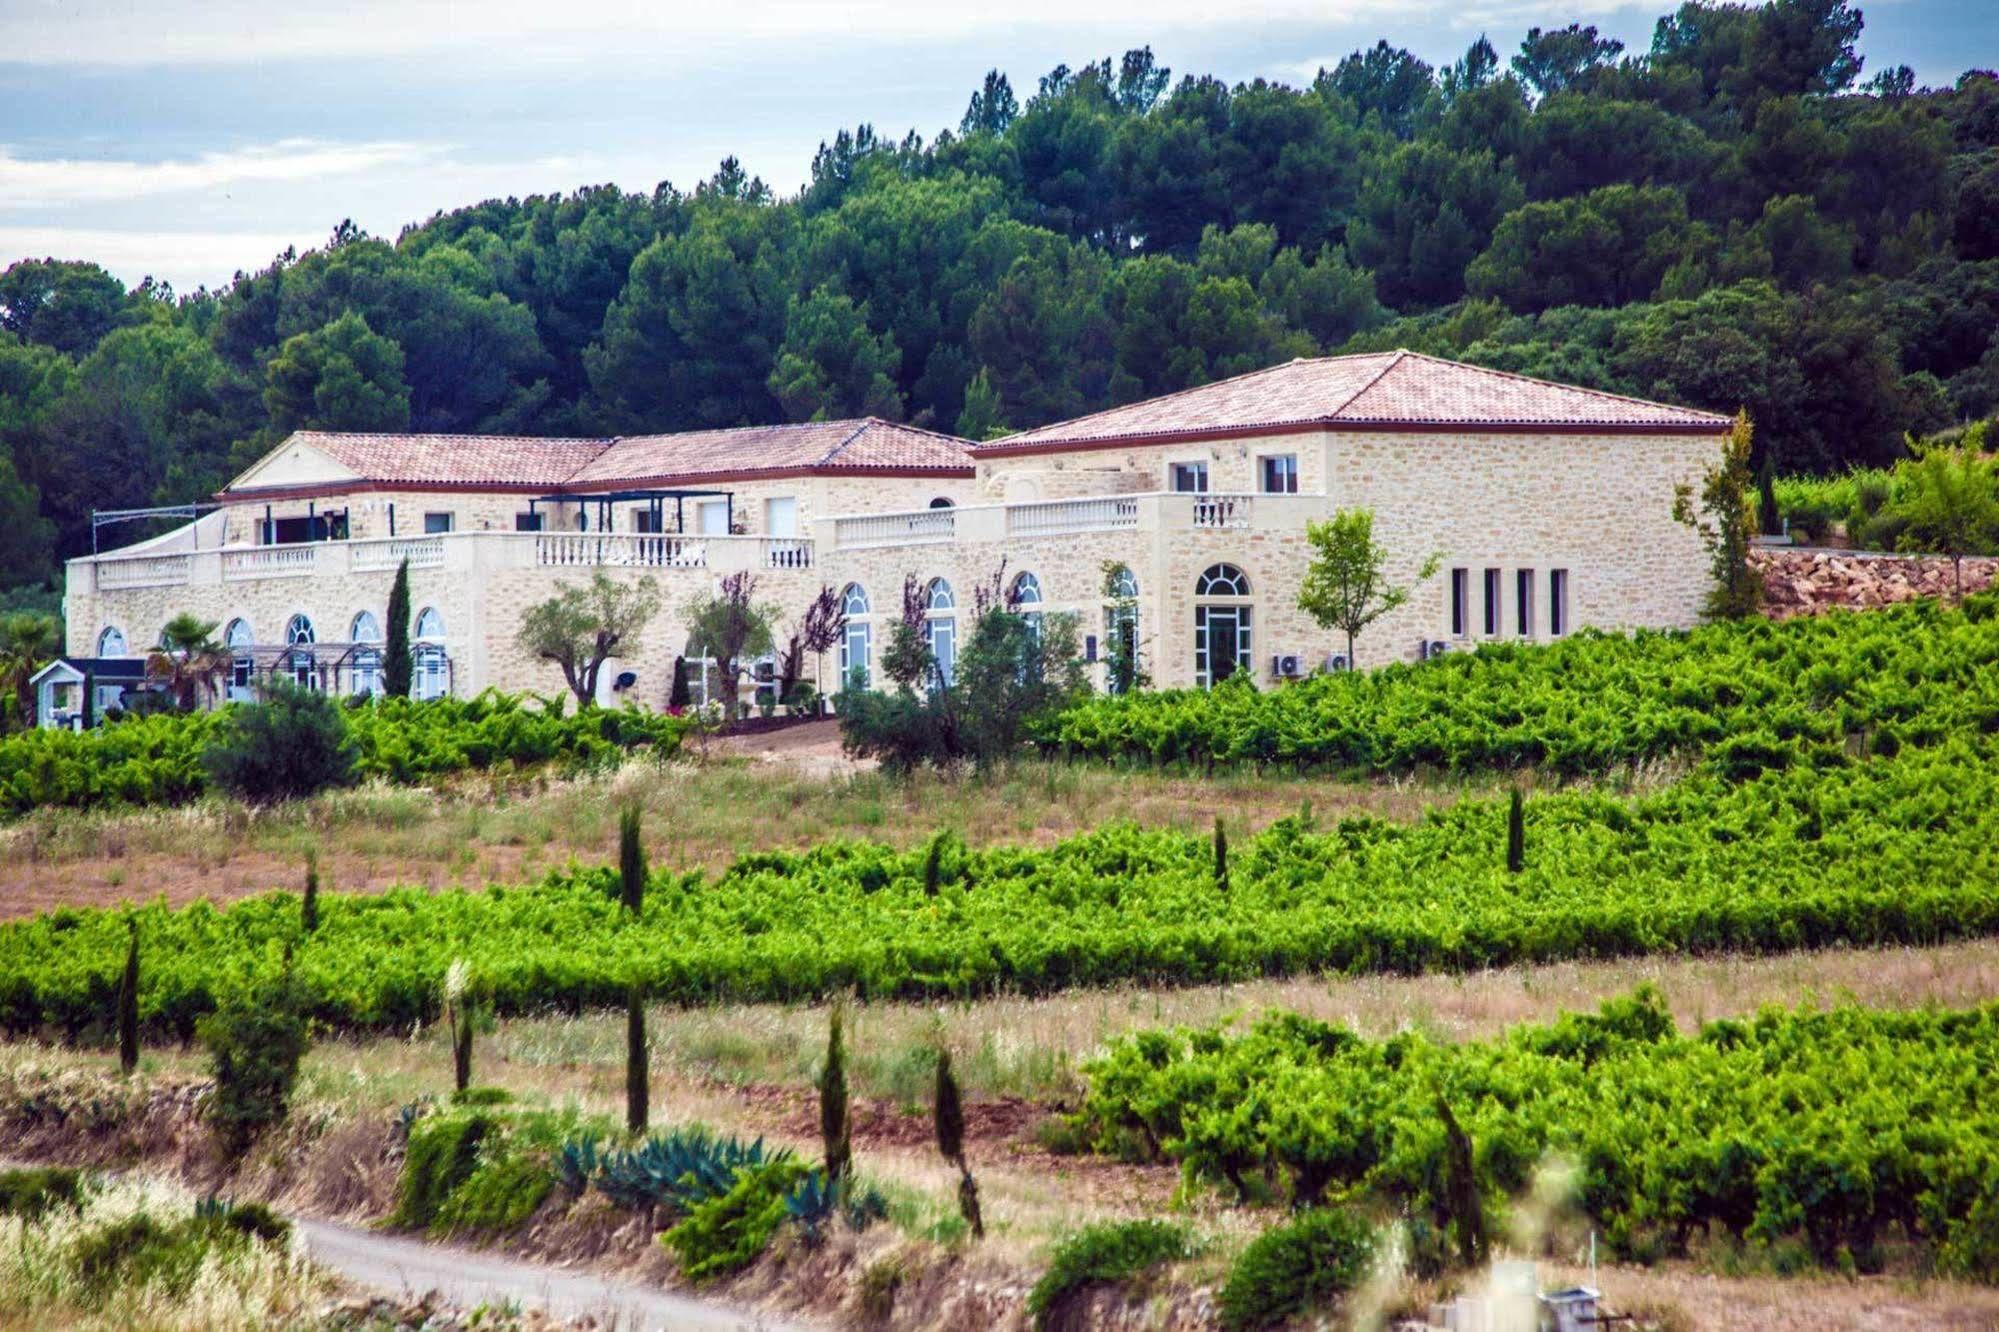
{"x": 676, "y": 1171}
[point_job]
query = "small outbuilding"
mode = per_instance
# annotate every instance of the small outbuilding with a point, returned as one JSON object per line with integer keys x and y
{"x": 75, "y": 692}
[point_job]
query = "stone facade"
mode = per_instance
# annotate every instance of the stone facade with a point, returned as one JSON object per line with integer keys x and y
{"x": 1593, "y": 509}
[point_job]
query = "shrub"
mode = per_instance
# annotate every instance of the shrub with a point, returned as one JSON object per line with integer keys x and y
{"x": 255, "y": 1043}
{"x": 497, "y": 1196}
{"x": 1288, "y": 1269}
{"x": 728, "y": 1233}
{"x": 292, "y": 745}
{"x": 1113, "y": 1251}
{"x": 32, "y": 1192}
{"x": 443, "y": 1152}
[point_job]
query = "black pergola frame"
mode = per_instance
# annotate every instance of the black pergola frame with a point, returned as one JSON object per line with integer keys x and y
{"x": 655, "y": 501}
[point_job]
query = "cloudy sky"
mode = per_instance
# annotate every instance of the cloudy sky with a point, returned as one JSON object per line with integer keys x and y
{"x": 188, "y": 139}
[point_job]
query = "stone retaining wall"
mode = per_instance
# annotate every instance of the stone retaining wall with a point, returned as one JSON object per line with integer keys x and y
{"x": 1805, "y": 582}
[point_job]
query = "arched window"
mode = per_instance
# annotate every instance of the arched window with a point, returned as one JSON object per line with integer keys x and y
{"x": 1222, "y": 580}
{"x": 1222, "y": 640}
{"x": 433, "y": 668}
{"x": 300, "y": 660}
{"x": 942, "y": 502}
{"x": 1024, "y": 598}
{"x": 942, "y": 621}
{"x": 366, "y": 673}
{"x": 856, "y": 639}
{"x": 111, "y": 642}
{"x": 238, "y": 638}
{"x": 1120, "y": 631}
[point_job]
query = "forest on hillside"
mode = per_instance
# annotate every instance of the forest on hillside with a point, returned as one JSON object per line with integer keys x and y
{"x": 1732, "y": 218}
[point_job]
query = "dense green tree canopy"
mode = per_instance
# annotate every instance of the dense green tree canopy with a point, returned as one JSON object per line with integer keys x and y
{"x": 1737, "y": 216}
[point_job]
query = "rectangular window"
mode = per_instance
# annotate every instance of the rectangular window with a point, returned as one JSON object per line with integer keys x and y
{"x": 781, "y": 516}
{"x": 1280, "y": 474}
{"x": 1492, "y": 611}
{"x": 1558, "y": 602}
{"x": 1523, "y": 597}
{"x": 434, "y": 523}
{"x": 1460, "y": 602}
{"x": 527, "y": 522}
{"x": 714, "y": 517}
{"x": 1190, "y": 478}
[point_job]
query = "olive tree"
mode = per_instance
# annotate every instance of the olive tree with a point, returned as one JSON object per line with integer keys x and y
{"x": 582, "y": 626}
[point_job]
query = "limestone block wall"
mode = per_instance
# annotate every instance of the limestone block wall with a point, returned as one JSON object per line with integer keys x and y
{"x": 1234, "y": 467}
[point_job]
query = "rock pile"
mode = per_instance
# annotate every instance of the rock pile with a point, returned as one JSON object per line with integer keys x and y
{"x": 1805, "y": 582}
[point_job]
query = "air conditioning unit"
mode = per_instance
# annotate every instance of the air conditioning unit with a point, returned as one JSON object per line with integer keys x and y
{"x": 1287, "y": 666}
{"x": 1338, "y": 662}
{"x": 1438, "y": 647}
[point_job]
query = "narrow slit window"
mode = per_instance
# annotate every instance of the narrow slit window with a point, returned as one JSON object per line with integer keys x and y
{"x": 1523, "y": 595}
{"x": 1492, "y": 584}
{"x": 1460, "y": 601}
{"x": 1558, "y": 602}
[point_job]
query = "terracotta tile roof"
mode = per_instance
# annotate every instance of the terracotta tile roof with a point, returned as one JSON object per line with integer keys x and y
{"x": 469, "y": 460}
{"x": 866, "y": 445}
{"x": 1382, "y": 390}
{"x": 519, "y": 461}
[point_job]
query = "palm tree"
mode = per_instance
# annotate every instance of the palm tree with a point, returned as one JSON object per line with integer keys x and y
{"x": 28, "y": 641}
{"x": 188, "y": 659}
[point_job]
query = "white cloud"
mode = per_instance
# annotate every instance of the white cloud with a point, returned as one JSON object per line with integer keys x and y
{"x": 186, "y": 259}
{"x": 193, "y": 32}
{"x": 30, "y": 182}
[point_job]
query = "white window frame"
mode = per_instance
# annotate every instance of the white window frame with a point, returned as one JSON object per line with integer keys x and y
{"x": 1290, "y": 475}
{"x": 1196, "y": 467}
{"x": 440, "y": 523}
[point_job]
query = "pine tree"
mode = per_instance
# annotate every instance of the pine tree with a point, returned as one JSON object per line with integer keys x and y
{"x": 631, "y": 860}
{"x": 835, "y": 1129}
{"x": 635, "y": 1059}
{"x": 949, "y": 1114}
{"x": 128, "y": 1003}
{"x": 1516, "y": 834}
{"x": 1221, "y": 857}
{"x": 398, "y": 664}
{"x": 308, "y": 911}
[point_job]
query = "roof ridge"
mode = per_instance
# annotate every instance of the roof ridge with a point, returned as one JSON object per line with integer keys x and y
{"x": 867, "y": 423}
{"x": 1566, "y": 387}
{"x": 1401, "y": 354}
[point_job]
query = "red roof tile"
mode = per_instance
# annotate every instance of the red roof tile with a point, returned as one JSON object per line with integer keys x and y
{"x": 1381, "y": 390}
{"x": 867, "y": 446}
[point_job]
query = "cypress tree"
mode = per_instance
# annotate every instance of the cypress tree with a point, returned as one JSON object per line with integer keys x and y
{"x": 128, "y": 1003}
{"x": 680, "y": 697}
{"x": 933, "y": 866}
{"x": 1465, "y": 1212}
{"x": 398, "y": 665}
{"x": 835, "y": 1130}
{"x": 1221, "y": 857}
{"x": 458, "y": 1013}
{"x": 1516, "y": 834}
{"x": 949, "y": 1114}
{"x": 631, "y": 860}
{"x": 635, "y": 1059}
{"x": 1769, "y": 518}
{"x": 308, "y": 912}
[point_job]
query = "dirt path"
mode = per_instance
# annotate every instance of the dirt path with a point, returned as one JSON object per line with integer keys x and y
{"x": 469, "y": 1278}
{"x": 812, "y": 749}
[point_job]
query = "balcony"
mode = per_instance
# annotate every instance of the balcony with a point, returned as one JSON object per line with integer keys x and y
{"x": 1167, "y": 511}
{"x": 475, "y": 553}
